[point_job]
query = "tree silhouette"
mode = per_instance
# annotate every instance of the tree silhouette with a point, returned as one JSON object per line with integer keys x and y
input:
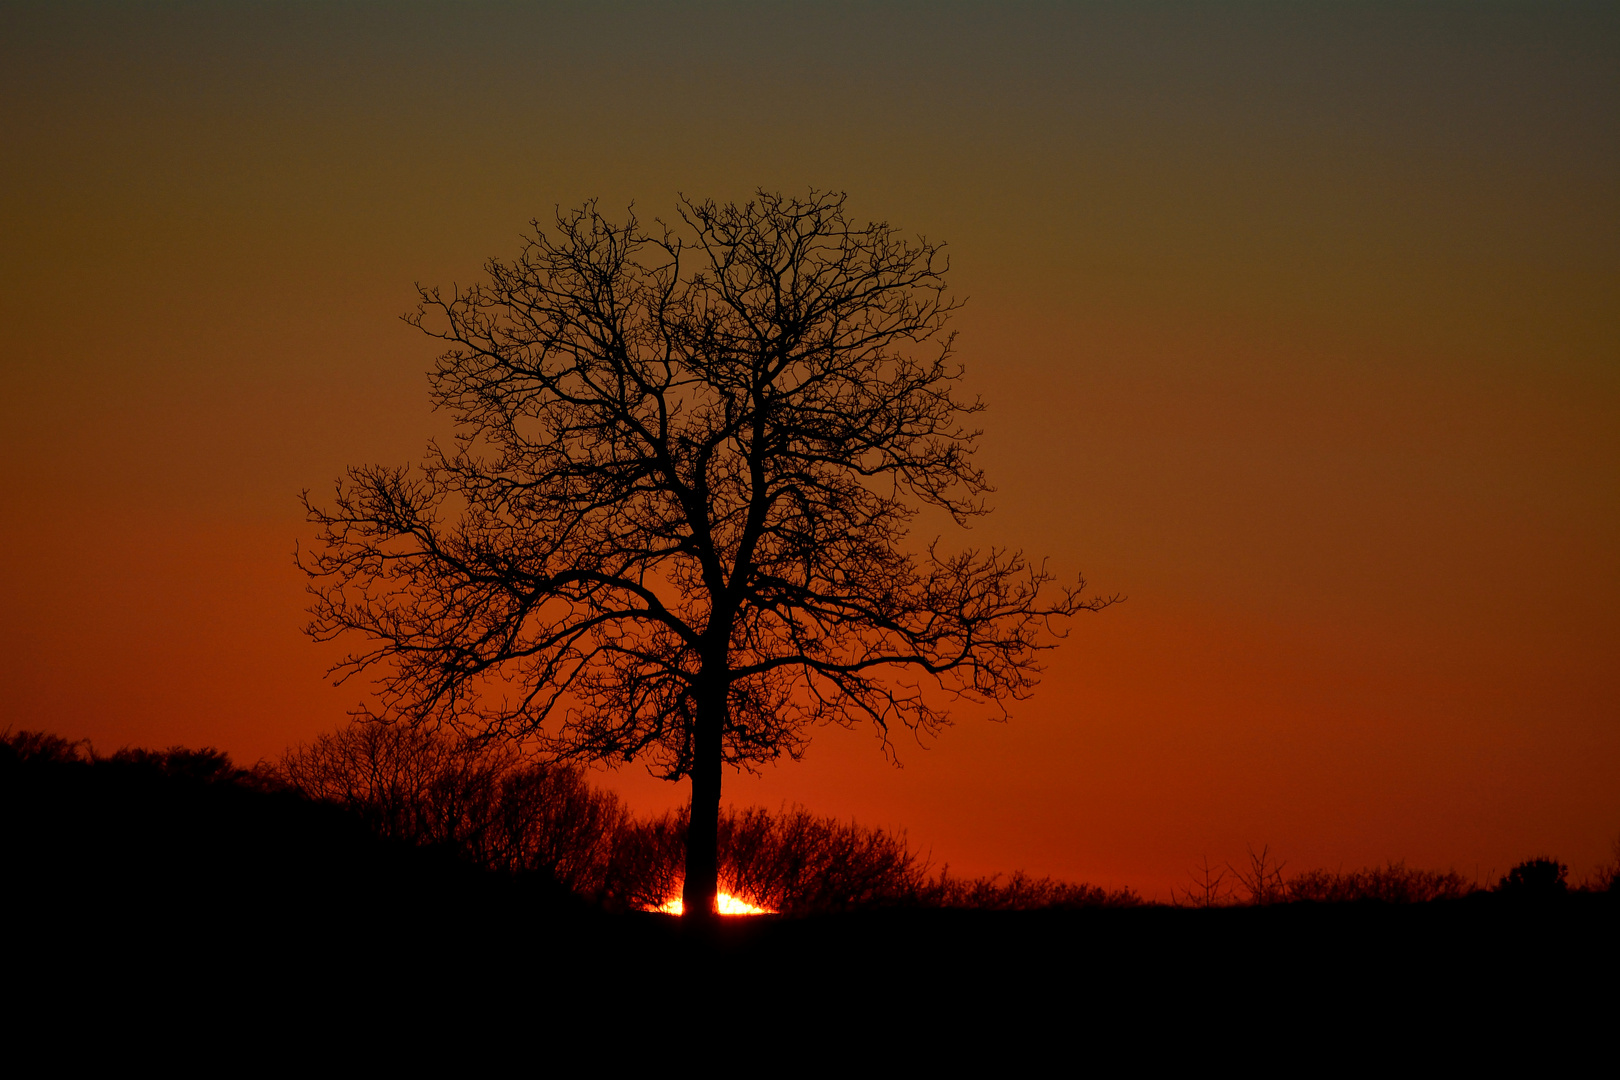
{"x": 670, "y": 527}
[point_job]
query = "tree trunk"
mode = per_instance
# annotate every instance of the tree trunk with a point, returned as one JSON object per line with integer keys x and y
{"x": 703, "y": 825}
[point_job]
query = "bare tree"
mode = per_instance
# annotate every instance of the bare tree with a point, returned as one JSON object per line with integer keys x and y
{"x": 1262, "y": 879}
{"x": 671, "y": 527}
{"x": 1208, "y": 888}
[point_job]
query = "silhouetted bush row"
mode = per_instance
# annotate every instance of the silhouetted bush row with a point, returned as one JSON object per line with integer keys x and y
{"x": 1261, "y": 882}
{"x": 795, "y": 862}
{"x": 484, "y": 802}
{"x": 198, "y": 766}
{"x": 1395, "y": 883}
{"x": 504, "y": 812}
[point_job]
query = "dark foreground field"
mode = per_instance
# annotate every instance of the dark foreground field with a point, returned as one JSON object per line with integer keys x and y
{"x": 437, "y": 963}
{"x": 140, "y": 899}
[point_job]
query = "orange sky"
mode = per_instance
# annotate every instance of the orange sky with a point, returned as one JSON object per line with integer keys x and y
{"x": 1298, "y": 326}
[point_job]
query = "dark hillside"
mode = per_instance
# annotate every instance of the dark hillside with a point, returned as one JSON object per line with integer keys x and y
{"x": 154, "y": 885}
{"x": 180, "y": 845}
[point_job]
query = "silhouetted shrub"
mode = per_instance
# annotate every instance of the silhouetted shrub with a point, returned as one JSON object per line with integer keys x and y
{"x": 38, "y": 748}
{"x": 1536, "y": 878}
{"x": 550, "y": 820}
{"x": 648, "y": 863}
{"x": 484, "y": 801}
{"x": 797, "y": 862}
{"x": 1394, "y": 883}
{"x": 1606, "y": 878}
{"x": 205, "y": 766}
{"x": 405, "y": 783}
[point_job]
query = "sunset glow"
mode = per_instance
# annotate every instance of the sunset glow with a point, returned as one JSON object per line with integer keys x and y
{"x": 725, "y": 902}
{"x": 1295, "y": 328}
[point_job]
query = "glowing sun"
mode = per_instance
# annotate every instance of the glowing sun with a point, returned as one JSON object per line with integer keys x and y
{"x": 725, "y": 903}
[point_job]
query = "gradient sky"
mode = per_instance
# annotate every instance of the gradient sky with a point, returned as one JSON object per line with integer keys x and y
{"x": 1299, "y": 325}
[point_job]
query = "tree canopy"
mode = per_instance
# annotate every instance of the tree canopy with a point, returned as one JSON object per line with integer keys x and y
{"x": 672, "y": 526}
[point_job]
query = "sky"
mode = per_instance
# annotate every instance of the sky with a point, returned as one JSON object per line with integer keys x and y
{"x": 1299, "y": 327}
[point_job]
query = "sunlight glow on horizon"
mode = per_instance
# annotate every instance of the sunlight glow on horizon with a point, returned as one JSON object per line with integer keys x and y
{"x": 725, "y": 903}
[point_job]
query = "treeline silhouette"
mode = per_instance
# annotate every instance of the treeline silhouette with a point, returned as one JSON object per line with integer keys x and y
{"x": 375, "y": 808}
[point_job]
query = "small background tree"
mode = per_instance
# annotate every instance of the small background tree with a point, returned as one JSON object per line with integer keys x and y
{"x": 672, "y": 525}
